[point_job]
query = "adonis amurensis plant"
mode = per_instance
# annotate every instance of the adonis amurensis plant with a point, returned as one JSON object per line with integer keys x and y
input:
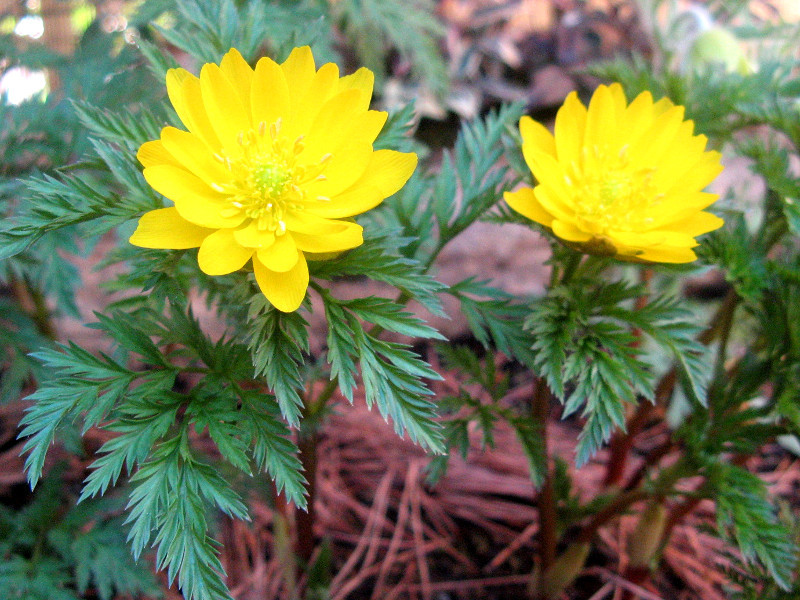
{"x": 267, "y": 179}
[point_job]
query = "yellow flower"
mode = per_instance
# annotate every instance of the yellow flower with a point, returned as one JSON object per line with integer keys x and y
{"x": 619, "y": 179}
{"x": 273, "y": 164}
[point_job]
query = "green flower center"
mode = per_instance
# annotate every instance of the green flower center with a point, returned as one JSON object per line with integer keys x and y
{"x": 271, "y": 180}
{"x": 267, "y": 180}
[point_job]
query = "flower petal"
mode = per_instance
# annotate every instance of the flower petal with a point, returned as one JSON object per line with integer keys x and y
{"x": 525, "y": 203}
{"x": 568, "y": 231}
{"x": 269, "y": 94}
{"x": 224, "y": 106}
{"x": 250, "y": 236}
{"x": 554, "y": 202}
{"x": 333, "y": 121}
{"x": 701, "y": 174}
{"x": 189, "y": 151}
{"x": 220, "y": 254}
{"x": 153, "y": 153}
{"x": 698, "y": 224}
{"x": 347, "y": 235}
{"x": 639, "y": 115}
{"x": 306, "y": 106}
{"x": 285, "y": 290}
{"x": 652, "y": 239}
{"x": 184, "y": 93}
{"x": 236, "y": 69}
{"x": 281, "y": 256}
{"x": 651, "y": 144}
{"x": 601, "y": 124}
{"x": 363, "y": 80}
{"x": 342, "y": 170}
{"x": 570, "y": 128}
{"x": 195, "y": 201}
{"x": 165, "y": 228}
{"x": 536, "y": 134}
{"x": 668, "y": 255}
{"x": 386, "y": 172}
{"x": 299, "y": 70}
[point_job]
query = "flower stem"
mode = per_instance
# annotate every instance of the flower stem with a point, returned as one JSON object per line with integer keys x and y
{"x": 305, "y": 519}
{"x": 546, "y": 501}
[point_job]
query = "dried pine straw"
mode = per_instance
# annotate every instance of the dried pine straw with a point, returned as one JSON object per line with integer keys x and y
{"x": 472, "y": 536}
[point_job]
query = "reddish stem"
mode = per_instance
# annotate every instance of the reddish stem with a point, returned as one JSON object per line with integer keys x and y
{"x": 546, "y": 501}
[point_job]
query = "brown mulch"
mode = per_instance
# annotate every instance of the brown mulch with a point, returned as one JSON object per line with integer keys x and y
{"x": 470, "y": 536}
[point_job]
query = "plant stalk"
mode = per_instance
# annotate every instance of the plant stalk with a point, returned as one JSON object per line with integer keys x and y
{"x": 546, "y": 501}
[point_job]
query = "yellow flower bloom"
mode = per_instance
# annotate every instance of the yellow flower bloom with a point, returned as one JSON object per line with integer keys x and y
{"x": 619, "y": 179}
{"x": 274, "y": 162}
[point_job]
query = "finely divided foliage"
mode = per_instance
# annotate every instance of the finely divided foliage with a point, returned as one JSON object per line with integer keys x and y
{"x": 585, "y": 350}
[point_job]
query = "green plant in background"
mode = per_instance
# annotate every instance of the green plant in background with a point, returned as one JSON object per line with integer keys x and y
{"x": 51, "y": 548}
{"x": 288, "y": 188}
{"x": 55, "y": 550}
{"x": 41, "y": 136}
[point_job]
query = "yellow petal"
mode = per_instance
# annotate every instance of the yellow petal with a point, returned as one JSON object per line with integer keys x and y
{"x": 311, "y": 224}
{"x": 165, "y": 228}
{"x": 349, "y": 235}
{"x": 195, "y": 201}
{"x": 224, "y": 106}
{"x": 285, "y": 290}
{"x": 701, "y": 174}
{"x": 250, "y": 236}
{"x": 386, "y": 172}
{"x": 153, "y": 153}
{"x": 652, "y": 239}
{"x": 568, "y": 231}
{"x": 698, "y": 224}
{"x": 192, "y": 154}
{"x": 536, "y": 134}
{"x": 554, "y": 203}
{"x": 525, "y": 203}
{"x": 220, "y": 254}
{"x": 601, "y": 125}
{"x": 570, "y": 128}
{"x": 639, "y": 115}
{"x": 236, "y": 69}
{"x": 652, "y": 143}
{"x": 306, "y": 106}
{"x": 668, "y": 255}
{"x": 342, "y": 170}
{"x": 269, "y": 95}
{"x": 184, "y": 94}
{"x": 333, "y": 121}
{"x": 299, "y": 70}
{"x": 674, "y": 165}
{"x": 662, "y": 106}
{"x": 367, "y": 126}
{"x": 281, "y": 256}
{"x": 618, "y": 95}
{"x": 363, "y": 80}
{"x": 678, "y": 207}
